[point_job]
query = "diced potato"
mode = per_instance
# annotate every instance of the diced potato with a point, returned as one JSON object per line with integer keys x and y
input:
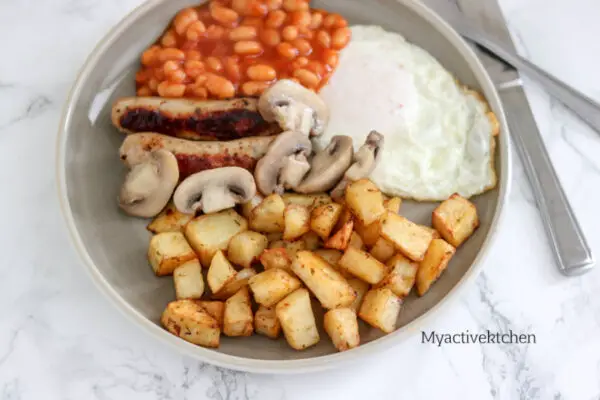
{"x": 435, "y": 262}
{"x": 324, "y": 218}
{"x": 341, "y": 238}
{"x": 380, "y": 309}
{"x": 368, "y": 233}
{"x": 297, "y": 221}
{"x": 274, "y": 236}
{"x": 362, "y": 265}
{"x": 220, "y": 272}
{"x": 272, "y": 285}
{"x": 266, "y": 322}
{"x": 411, "y": 239}
{"x": 312, "y": 241}
{"x": 332, "y": 256}
{"x": 345, "y": 216}
{"x": 245, "y": 248}
{"x": 239, "y": 281}
{"x": 188, "y": 280}
{"x": 401, "y": 279}
{"x": 276, "y": 258}
{"x": 360, "y": 287}
{"x": 297, "y": 320}
{"x": 214, "y": 308}
{"x": 329, "y": 287}
{"x": 308, "y": 200}
{"x": 365, "y": 201}
{"x": 455, "y": 219}
{"x": 267, "y": 217}
{"x": 169, "y": 220}
{"x": 167, "y": 251}
{"x": 238, "y": 319}
{"x": 356, "y": 241}
{"x": 383, "y": 250}
{"x": 251, "y": 205}
{"x": 191, "y": 322}
{"x": 393, "y": 204}
{"x": 434, "y": 234}
{"x": 212, "y": 232}
{"x": 341, "y": 325}
{"x": 291, "y": 247}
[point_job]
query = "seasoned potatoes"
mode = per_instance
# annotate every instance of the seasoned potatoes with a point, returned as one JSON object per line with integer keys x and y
{"x": 298, "y": 320}
{"x": 435, "y": 262}
{"x": 188, "y": 320}
{"x": 272, "y": 285}
{"x": 342, "y": 327}
{"x": 268, "y": 216}
{"x": 380, "y": 308}
{"x": 411, "y": 239}
{"x": 455, "y": 219}
{"x": 245, "y": 248}
{"x": 220, "y": 272}
{"x": 188, "y": 280}
{"x": 402, "y": 277}
{"x": 324, "y": 218}
{"x": 167, "y": 251}
{"x": 266, "y": 322}
{"x": 169, "y": 220}
{"x": 362, "y": 265}
{"x": 238, "y": 319}
{"x": 297, "y": 221}
{"x": 365, "y": 200}
{"x": 240, "y": 280}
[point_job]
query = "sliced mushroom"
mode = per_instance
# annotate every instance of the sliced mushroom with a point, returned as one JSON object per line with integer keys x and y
{"x": 365, "y": 161}
{"x": 149, "y": 184}
{"x": 214, "y": 190}
{"x": 328, "y": 166}
{"x": 285, "y": 163}
{"x": 294, "y": 108}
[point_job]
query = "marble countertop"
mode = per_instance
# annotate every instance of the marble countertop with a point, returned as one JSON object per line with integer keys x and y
{"x": 61, "y": 339}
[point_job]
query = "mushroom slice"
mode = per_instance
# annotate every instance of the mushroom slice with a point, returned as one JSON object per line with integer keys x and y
{"x": 149, "y": 184}
{"x": 285, "y": 163}
{"x": 294, "y": 108}
{"x": 214, "y": 190}
{"x": 328, "y": 166}
{"x": 365, "y": 161}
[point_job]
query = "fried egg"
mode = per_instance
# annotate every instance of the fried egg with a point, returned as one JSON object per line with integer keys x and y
{"x": 439, "y": 138}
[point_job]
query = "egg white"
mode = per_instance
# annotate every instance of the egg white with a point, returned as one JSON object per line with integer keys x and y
{"x": 438, "y": 137}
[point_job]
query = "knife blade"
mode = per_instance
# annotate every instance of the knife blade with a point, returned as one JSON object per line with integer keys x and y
{"x": 569, "y": 246}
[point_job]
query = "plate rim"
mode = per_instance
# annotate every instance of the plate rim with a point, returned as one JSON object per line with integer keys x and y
{"x": 307, "y": 365}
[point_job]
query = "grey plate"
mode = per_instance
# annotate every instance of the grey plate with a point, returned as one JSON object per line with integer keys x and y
{"x": 113, "y": 246}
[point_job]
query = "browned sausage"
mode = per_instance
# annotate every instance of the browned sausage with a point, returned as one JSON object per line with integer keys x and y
{"x": 194, "y": 156}
{"x": 192, "y": 119}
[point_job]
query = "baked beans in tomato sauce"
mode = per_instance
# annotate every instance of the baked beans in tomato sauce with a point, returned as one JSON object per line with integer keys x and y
{"x": 228, "y": 48}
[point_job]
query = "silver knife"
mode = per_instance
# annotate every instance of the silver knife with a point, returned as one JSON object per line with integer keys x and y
{"x": 570, "y": 248}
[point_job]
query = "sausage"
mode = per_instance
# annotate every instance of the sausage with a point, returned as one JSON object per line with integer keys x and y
{"x": 192, "y": 119}
{"x": 194, "y": 156}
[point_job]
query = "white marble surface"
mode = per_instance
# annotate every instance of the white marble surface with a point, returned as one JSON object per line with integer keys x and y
{"x": 60, "y": 339}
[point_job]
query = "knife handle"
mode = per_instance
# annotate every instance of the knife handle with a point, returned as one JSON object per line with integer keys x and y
{"x": 571, "y": 251}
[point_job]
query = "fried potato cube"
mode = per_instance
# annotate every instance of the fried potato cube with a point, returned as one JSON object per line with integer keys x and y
{"x": 233, "y": 286}
{"x": 245, "y": 248}
{"x": 297, "y": 221}
{"x": 308, "y": 200}
{"x": 332, "y": 256}
{"x": 455, "y": 219}
{"x": 212, "y": 232}
{"x": 290, "y": 247}
{"x": 297, "y": 320}
{"x": 356, "y": 241}
{"x": 341, "y": 325}
{"x": 272, "y": 285}
{"x": 167, "y": 251}
{"x": 393, "y": 204}
{"x": 214, "y": 308}
{"x": 251, "y": 205}
{"x": 362, "y": 265}
{"x": 380, "y": 309}
{"x": 324, "y": 218}
{"x": 361, "y": 288}
{"x": 188, "y": 280}
{"x": 434, "y": 234}
{"x": 365, "y": 201}
{"x": 238, "y": 319}
{"x": 341, "y": 238}
{"x": 411, "y": 239}
{"x": 267, "y": 217}
{"x": 274, "y": 236}
{"x": 345, "y": 216}
{"x": 383, "y": 250}
{"x": 276, "y": 258}
{"x": 328, "y": 286}
{"x": 368, "y": 233}
{"x": 189, "y": 321}
{"x": 220, "y": 272}
{"x": 169, "y": 220}
{"x": 312, "y": 241}
{"x": 402, "y": 276}
{"x": 435, "y": 262}
{"x": 266, "y": 322}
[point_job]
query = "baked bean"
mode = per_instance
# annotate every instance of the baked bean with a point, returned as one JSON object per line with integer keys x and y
{"x": 300, "y": 62}
{"x": 316, "y": 67}
{"x": 193, "y": 68}
{"x": 252, "y": 21}
{"x": 150, "y": 56}
{"x": 220, "y": 87}
{"x": 303, "y": 46}
{"x": 240, "y": 6}
{"x": 316, "y": 20}
{"x": 257, "y": 9}
{"x": 183, "y": 19}
{"x": 193, "y": 55}
{"x": 270, "y": 37}
{"x": 195, "y": 30}
{"x": 275, "y": 19}
{"x": 324, "y": 39}
{"x": 252, "y": 88}
{"x": 232, "y": 68}
{"x": 201, "y": 80}
{"x": 307, "y": 78}
{"x": 177, "y": 76}
{"x": 247, "y": 47}
{"x": 170, "y": 54}
{"x": 142, "y": 76}
{"x": 153, "y": 84}
{"x": 331, "y": 58}
{"x": 274, "y": 4}
{"x": 215, "y": 32}
{"x": 214, "y": 64}
{"x": 242, "y": 33}
{"x": 170, "y": 66}
{"x": 289, "y": 33}
{"x": 286, "y": 50}
{"x": 167, "y": 89}
{"x": 200, "y": 92}
{"x": 223, "y": 15}
{"x": 261, "y": 72}
{"x": 295, "y": 5}
{"x": 330, "y": 21}
{"x": 340, "y": 38}
{"x": 169, "y": 39}
{"x": 306, "y": 32}
{"x": 301, "y": 18}
{"x": 144, "y": 91}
